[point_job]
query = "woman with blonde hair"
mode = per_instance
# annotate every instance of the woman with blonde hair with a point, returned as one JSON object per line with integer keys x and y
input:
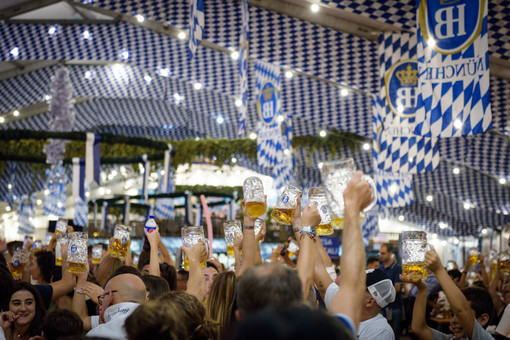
{"x": 221, "y": 304}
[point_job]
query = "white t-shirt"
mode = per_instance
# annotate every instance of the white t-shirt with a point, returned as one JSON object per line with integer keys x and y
{"x": 2, "y": 335}
{"x": 478, "y": 334}
{"x": 375, "y": 328}
{"x": 114, "y": 317}
{"x": 504, "y": 323}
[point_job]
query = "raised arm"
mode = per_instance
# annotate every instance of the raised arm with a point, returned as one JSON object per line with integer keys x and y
{"x": 154, "y": 239}
{"x": 419, "y": 323}
{"x": 165, "y": 255}
{"x": 349, "y": 298}
{"x": 79, "y": 305}
{"x": 249, "y": 242}
{"x": 196, "y": 281}
{"x": 306, "y": 262}
{"x": 459, "y": 305}
{"x": 67, "y": 283}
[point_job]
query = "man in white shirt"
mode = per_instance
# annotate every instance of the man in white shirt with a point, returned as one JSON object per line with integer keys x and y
{"x": 380, "y": 292}
{"x": 122, "y": 295}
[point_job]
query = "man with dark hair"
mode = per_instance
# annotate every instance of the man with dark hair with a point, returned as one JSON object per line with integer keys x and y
{"x": 267, "y": 285}
{"x": 455, "y": 275}
{"x": 61, "y": 322}
{"x": 373, "y": 262}
{"x": 471, "y": 308}
{"x": 390, "y": 266}
{"x": 182, "y": 279}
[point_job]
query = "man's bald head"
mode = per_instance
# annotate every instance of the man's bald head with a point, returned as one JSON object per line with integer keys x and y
{"x": 129, "y": 287}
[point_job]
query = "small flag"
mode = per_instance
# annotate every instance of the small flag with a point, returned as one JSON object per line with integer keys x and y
{"x": 92, "y": 158}
{"x": 196, "y": 25}
{"x": 146, "y": 170}
{"x": 243, "y": 66}
{"x": 81, "y": 208}
{"x": 164, "y": 207}
{"x": 26, "y": 214}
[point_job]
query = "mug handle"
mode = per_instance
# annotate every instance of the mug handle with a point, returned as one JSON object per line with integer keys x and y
{"x": 371, "y": 182}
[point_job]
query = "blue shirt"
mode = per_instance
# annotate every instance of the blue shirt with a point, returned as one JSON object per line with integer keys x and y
{"x": 393, "y": 271}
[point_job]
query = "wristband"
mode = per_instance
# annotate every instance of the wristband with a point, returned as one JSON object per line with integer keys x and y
{"x": 249, "y": 227}
{"x": 310, "y": 231}
{"x": 78, "y": 290}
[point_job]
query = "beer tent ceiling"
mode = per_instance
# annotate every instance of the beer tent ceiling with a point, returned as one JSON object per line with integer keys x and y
{"x": 152, "y": 93}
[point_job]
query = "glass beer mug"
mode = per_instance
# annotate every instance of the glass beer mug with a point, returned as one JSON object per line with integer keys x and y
{"x": 253, "y": 191}
{"x": 191, "y": 236}
{"x": 121, "y": 241}
{"x": 231, "y": 228}
{"x": 77, "y": 252}
{"x": 97, "y": 253}
{"x": 18, "y": 262}
{"x": 62, "y": 238}
{"x": 335, "y": 176}
{"x": 317, "y": 196}
{"x": 38, "y": 246}
{"x": 284, "y": 210}
{"x": 414, "y": 248}
{"x": 473, "y": 256}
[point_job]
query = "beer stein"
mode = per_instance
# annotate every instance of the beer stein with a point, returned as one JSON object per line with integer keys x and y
{"x": 97, "y": 253}
{"x": 18, "y": 262}
{"x": 414, "y": 248}
{"x": 38, "y": 246}
{"x": 284, "y": 210}
{"x": 473, "y": 256}
{"x": 77, "y": 252}
{"x": 62, "y": 238}
{"x": 191, "y": 236}
{"x": 253, "y": 191}
{"x": 121, "y": 241}
{"x": 317, "y": 196}
{"x": 335, "y": 176}
{"x": 231, "y": 228}
{"x": 61, "y": 226}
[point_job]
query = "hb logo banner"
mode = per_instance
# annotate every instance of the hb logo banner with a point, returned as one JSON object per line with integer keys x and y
{"x": 269, "y": 148}
{"x": 396, "y": 147}
{"x": 453, "y": 68}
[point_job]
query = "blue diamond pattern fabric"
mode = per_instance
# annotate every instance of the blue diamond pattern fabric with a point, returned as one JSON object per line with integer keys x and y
{"x": 243, "y": 66}
{"x": 26, "y": 214}
{"x": 393, "y": 190}
{"x": 397, "y": 149}
{"x": 196, "y": 25}
{"x": 454, "y": 78}
{"x": 81, "y": 212}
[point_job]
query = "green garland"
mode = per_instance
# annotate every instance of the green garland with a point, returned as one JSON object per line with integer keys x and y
{"x": 27, "y": 146}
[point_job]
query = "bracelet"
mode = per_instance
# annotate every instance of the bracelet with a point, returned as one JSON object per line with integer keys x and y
{"x": 309, "y": 231}
{"x": 248, "y": 227}
{"x": 78, "y": 290}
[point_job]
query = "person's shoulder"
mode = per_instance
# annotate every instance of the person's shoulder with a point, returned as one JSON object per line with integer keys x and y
{"x": 479, "y": 333}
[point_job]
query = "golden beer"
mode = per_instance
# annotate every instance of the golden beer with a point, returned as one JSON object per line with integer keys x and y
{"x": 75, "y": 267}
{"x": 473, "y": 259}
{"x": 282, "y": 216}
{"x": 58, "y": 261}
{"x": 230, "y": 250}
{"x": 120, "y": 247}
{"x": 203, "y": 264}
{"x": 17, "y": 267}
{"x": 504, "y": 266}
{"x": 255, "y": 209}
{"x": 96, "y": 260}
{"x": 419, "y": 268}
{"x": 324, "y": 229}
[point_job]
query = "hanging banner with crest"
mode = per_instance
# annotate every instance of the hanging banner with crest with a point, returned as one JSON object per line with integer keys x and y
{"x": 396, "y": 148}
{"x": 453, "y": 68}
{"x": 268, "y": 110}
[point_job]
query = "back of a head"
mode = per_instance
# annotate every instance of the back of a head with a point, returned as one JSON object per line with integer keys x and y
{"x": 46, "y": 263}
{"x": 221, "y": 304}
{"x": 61, "y": 322}
{"x": 156, "y": 286}
{"x": 169, "y": 273}
{"x": 480, "y": 300}
{"x": 455, "y": 274}
{"x": 130, "y": 288}
{"x": 155, "y": 320}
{"x": 124, "y": 269}
{"x": 192, "y": 314}
{"x": 268, "y": 285}
{"x": 293, "y": 323}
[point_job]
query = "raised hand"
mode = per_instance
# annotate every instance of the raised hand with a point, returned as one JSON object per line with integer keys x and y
{"x": 433, "y": 262}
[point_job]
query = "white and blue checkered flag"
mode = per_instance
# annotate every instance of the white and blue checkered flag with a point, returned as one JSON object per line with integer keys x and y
{"x": 56, "y": 191}
{"x": 81, "y": 209}
{"x": 369, "y": 226}
{"x": 243, "y": 66}
{"x": 394, "y": 190}
{"x": 283, "y": 172}
{"x": 268, "y": 108}
{"x": 453, "y": 60}
{"x": 26, "y": 214}
{"x": 164, "y": 207}
{"x": 398, "y": 149}
{"x": 196, "y": 25}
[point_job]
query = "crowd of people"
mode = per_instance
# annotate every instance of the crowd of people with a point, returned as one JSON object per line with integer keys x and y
{"x": 303, "y": 299}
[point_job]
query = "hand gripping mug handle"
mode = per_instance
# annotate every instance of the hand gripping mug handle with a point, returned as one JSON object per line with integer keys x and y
{"x": 371, "y": 182}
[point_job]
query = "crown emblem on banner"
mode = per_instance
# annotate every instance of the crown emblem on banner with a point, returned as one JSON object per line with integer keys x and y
{"x": 408, "y": 76}
{"x": 268, "y": 93}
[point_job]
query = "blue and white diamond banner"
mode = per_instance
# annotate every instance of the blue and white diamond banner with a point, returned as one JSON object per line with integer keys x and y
{"x": 81, "y": 212}
{"x": 196, "y": 25}
{"x": 243, "y": 66}
{"x": 283, "y": 172}
{"x": 393, "y": 190}
{"x": 55, "y": 193}
{"x": 369, "y": 227}
{"x": 269, "y": 150}
{"x": 453, "y": 68}
{"x": 26, "y": 214}
{"x": 81, "y": 209}
{"x": 397, "y": 149}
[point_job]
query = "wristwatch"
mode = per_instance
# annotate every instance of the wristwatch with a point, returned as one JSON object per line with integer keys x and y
{"x": 249, "y": 227}
{"x": 308, "y": 231}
